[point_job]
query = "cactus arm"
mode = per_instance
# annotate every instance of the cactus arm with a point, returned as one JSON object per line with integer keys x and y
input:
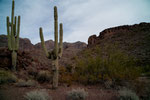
{"x": 8, "y": 34}
{"x": 42, "y": 42}
{"x": 12, "y": 14}
{"x": 15, "y": 26}
{"x": 12, "y": 26}
{"x": 61, "y": 40}
{"x": 56, "y": 31}
{"x": 18, "y": 33}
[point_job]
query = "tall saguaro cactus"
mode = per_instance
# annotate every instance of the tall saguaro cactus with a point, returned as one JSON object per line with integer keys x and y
{"x": 13, "y": 30}
{"x": 56, "y": 53}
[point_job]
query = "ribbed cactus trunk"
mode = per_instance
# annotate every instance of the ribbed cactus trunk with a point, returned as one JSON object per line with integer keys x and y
{"x": 55, "y": 73}
{"x": 55, "y": 65}
{"x": 57, "y": 52}
{"x": 13, "y": 30}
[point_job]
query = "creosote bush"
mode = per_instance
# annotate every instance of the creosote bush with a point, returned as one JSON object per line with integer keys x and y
{"x": 77, "y": 94}
{"x": 65, "y": 76}
{"x": 44, "y": 76}
{"x": 126, "y": 94}
{"x": 111, "y": 64}
{"x": 7, "y": 77}
{"x": 37, "y": 95}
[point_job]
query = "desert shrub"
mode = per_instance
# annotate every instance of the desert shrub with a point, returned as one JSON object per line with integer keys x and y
{"x": 33, "y": 72}
{"x": 141, "y": 86}
{"x": 23, "y": 83}
{"x": 37, "y": 95}
{"x": 44, "y": 76}
{"x": 126, "y": 94}
{"x": 146, "y": 92}
{"x": 147, "y": 96}
{"x": 7, "y": 77}
{"x": 65, "y": 76}
{"x": 95, "y": 66}
{"x": 108, "y": 84}
{"x": 77, "y": 94}
{"x": 146, "y": 70}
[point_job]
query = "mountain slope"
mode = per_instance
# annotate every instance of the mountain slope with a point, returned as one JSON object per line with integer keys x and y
{"x": 133, "y": 39}
{"x": 69, "y": 50}
{"x": 24, "y": 43}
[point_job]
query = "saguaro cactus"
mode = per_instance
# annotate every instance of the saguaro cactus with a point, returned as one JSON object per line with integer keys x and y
{"x": 56, "y": 53}
{"x": 13, "y": 30}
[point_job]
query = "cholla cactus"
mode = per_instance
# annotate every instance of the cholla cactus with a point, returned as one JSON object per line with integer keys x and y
{"x": 13, "y": 30}
{"x": 57, "y": 52}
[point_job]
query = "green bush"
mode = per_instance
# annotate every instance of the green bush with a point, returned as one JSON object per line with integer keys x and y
{"x": 65, "y": 76}
{"x": 37, "y": 95}
{"x": 77, "y": 94}
{"x": 7, "y": 77}
{"x": 146, "y": 70}
{"x": 95, "y": 66}
{"x": 127, "y": 95}
{"x": 44, "y": 76}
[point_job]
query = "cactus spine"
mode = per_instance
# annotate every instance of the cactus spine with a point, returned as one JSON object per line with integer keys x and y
{"x": 56, "y": 53}
{"x": 13, "y": 30}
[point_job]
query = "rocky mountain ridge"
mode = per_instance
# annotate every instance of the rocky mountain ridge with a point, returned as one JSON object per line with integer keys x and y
{"x": 107, "y": 33}
{"x": 36, "y": 52}
{"x": 133, "y": 39}
{"x": 25, "y": 44}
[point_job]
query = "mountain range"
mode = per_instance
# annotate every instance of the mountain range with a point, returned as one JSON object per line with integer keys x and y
{"x": 133, "y": 39}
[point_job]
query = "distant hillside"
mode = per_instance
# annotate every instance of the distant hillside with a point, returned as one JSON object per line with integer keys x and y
{"x": 36, "y": 51}
{"x": 69, "y": 51}
{"x": 25, "y": 43}
{"x": 134, "y": 39}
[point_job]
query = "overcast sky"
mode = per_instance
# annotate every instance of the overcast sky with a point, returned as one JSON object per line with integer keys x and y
{"x": 81, "y": 18}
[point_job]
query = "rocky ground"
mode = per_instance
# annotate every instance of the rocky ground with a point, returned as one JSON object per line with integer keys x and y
{"x": 94, "y": 92}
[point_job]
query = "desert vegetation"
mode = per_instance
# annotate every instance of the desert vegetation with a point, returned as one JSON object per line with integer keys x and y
{"x": 77, "y": 94}
{"x": 13, "y": 31}
{"x": 37, "y": 95}
{"x": 57, "y": 52}
{"x": 113, "y": 66}
{"x": 7, "y": 77}
{"x": 126, "y": 94}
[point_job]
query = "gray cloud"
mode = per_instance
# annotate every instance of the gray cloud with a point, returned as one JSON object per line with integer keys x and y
{"x": 92, "y": 16}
